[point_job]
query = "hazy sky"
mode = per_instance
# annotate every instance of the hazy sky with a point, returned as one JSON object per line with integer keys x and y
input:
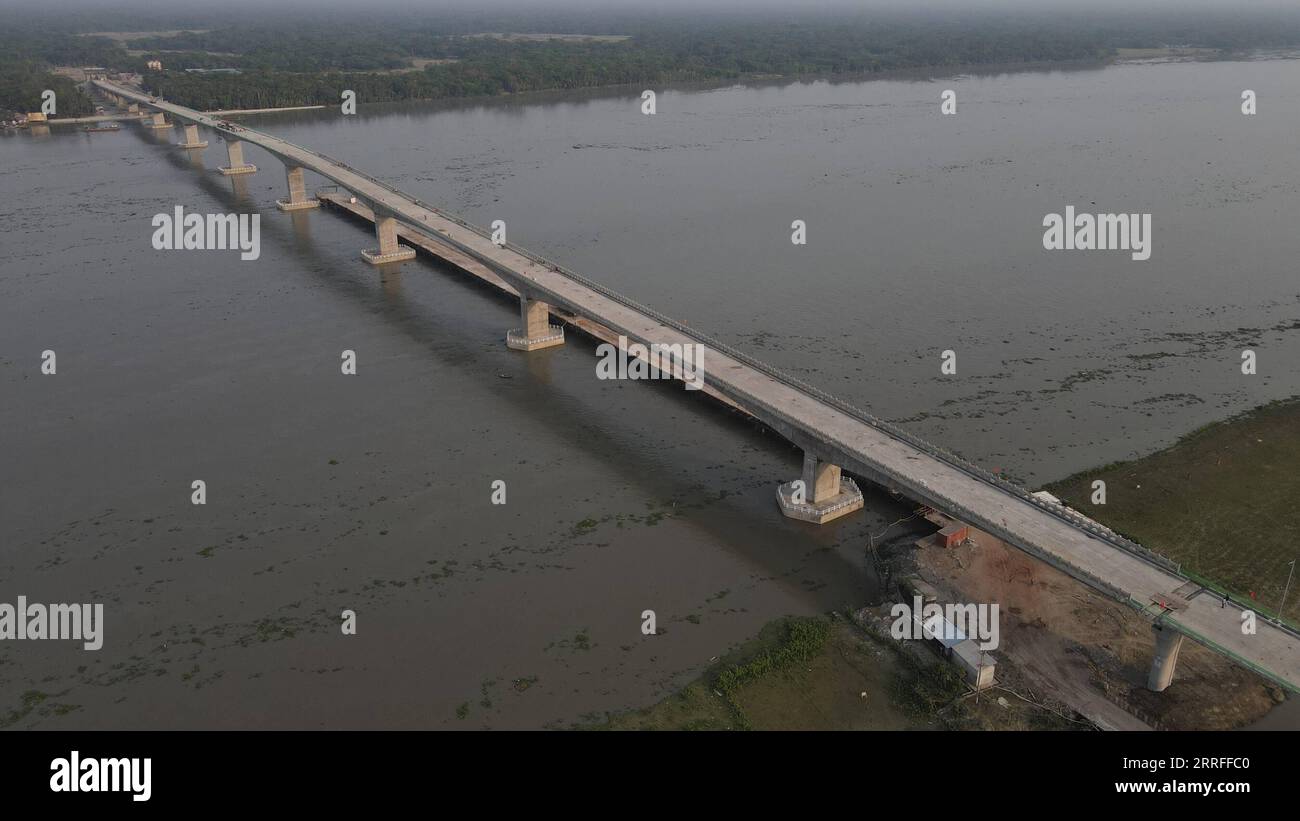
{"x": 792, "y": 6}
{"x": 606, "y": 14}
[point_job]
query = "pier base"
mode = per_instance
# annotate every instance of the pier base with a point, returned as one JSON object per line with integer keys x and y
{"x": 389, "y": 250}
{"x": 1168, "y": 642}
{"x": 538, "y": 332}
{"x": 235, "y": 152}
{"x": 825, "y": 495}
{"x": 191, "y": 139}
{"x": 298, "y": 200}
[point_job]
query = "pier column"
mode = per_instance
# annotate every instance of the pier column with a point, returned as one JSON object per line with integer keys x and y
{"x": 191, "y": 138}
{"x": 235, "y": 151}
{"x": 1168, "y": 642}
{"x": 389, "y": 250}
{"x": 538, "y": 332}
{"x": 825, "y": 495}
{"x": 157, "y": 121}
{"x": 298, "y": 194}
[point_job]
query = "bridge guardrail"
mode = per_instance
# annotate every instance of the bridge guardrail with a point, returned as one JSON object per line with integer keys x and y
{"x": 1062, "y": 512}
{"x": 1066, "y": 514}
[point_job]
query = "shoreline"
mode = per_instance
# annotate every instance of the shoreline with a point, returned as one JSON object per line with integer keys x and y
{"x": 929, "y": 73}
{"x": 1217, "y": 501}
{"x": 915, "y": 73}
{"x": 932, "y": 73}
{"x": 1095, "y": 650}
{"x": 226, "y": 112}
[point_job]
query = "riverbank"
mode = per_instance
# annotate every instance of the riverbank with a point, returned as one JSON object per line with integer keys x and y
{"x": 834, "y": 673}
{"x": 1221, "y": 502}
{"x": 758, "y": 79}
{"x": 229, "y": 112}
{"x": 1166, "y": 54}
{"x": 1081, "y": 652}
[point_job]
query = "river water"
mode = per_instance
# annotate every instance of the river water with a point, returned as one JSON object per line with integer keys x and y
{"x": 372, "y": 492}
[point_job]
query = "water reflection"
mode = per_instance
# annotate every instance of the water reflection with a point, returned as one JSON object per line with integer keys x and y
{"x": 677, "y": 210}
{"x": 301, "y": 221}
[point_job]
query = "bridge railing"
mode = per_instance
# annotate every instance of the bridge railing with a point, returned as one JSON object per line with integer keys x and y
{"x": 1062, "y": 512}
{"x": 960, "y": 511}
{"x": 1066, "y": 514}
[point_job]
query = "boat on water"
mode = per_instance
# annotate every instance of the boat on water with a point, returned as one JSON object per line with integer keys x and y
{"x": 101, "y": 127}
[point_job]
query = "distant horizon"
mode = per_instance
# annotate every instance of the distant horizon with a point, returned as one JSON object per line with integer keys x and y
{"x": 661, "y": 8}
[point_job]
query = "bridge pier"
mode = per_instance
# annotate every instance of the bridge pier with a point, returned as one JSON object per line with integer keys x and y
{"x": 297, "y": 192}
{"x": 133, "y": 108}
{"x": 1168, "y": 642}
{"x": 538, "y": 332}
{"x": 235, "y": 151}
{"x": 157, "y": 121}
{"x": 389, "y": 250}
{"x": 825, "y": 494}
{"x": 191, "y": 139}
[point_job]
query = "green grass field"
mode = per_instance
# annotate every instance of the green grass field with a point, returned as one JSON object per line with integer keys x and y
{"x": 1224, "y": 502}
{"x": 825, "y": 674}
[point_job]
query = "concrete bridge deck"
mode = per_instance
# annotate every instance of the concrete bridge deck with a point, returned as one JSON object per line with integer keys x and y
{"x": 829, "y": 429}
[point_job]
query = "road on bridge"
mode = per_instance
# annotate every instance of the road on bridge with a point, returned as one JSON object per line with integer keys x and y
{"x": 838, "y": 433}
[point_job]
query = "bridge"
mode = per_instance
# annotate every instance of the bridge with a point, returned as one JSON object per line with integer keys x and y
{"x": 833, "y": 435}
{"x": 101, "y": 118}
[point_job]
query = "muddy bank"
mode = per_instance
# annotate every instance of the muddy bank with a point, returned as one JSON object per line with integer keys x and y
{"x": 1081, "y": 652}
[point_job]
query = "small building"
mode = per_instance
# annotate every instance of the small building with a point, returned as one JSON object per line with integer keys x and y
{"x": 977, "y": 665}
{"x": 36, "y": 117}
{"x": 954, "y": 534}
{"x": 154, "y": 65}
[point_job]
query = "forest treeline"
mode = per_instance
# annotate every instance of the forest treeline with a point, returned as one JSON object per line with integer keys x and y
{"x": 27, "y": 58}
{"x": 286, "y": 61}
{"x": 504, "y": 68}
{"x": 22, "y": 84}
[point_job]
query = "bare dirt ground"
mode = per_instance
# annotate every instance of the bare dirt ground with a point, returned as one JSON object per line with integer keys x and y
{"x": 1069, "y": 645}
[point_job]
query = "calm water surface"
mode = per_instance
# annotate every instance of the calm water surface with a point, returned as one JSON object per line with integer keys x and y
{"x": 372, "y": 492}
